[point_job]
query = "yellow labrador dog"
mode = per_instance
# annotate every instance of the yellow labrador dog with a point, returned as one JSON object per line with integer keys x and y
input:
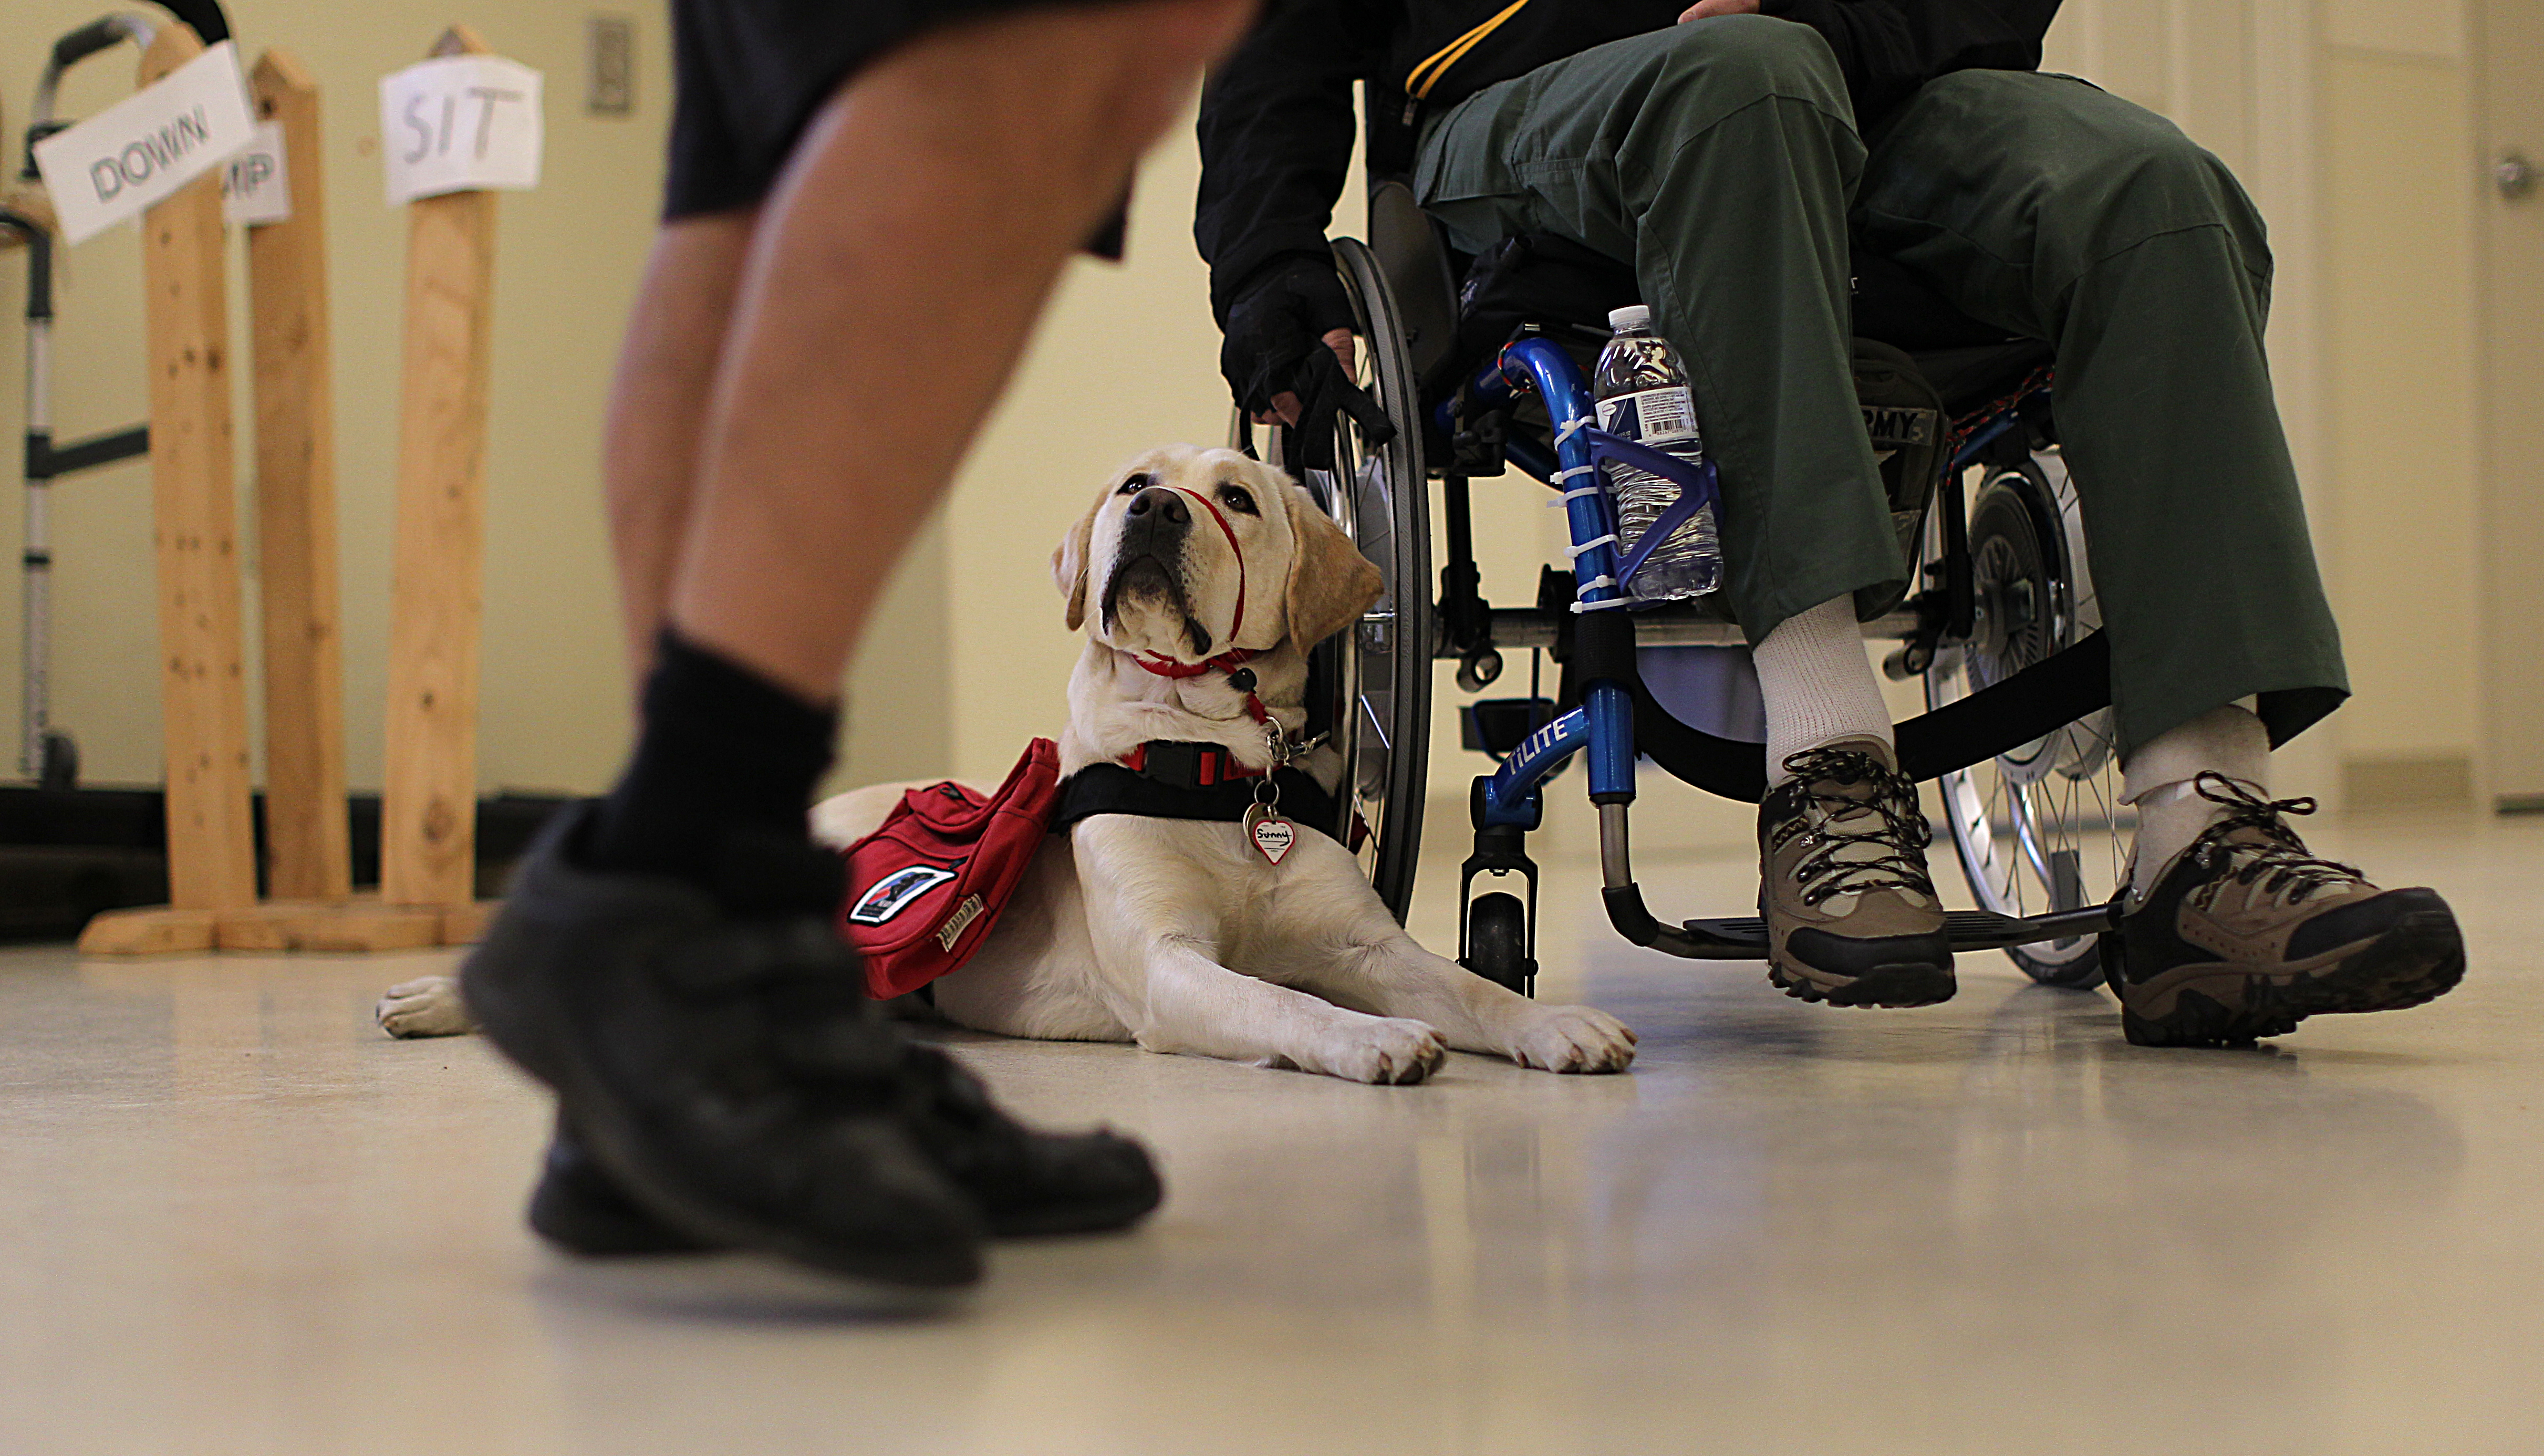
{"x": 1200, "y": 578}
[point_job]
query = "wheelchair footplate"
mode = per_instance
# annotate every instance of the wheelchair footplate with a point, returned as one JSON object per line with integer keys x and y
{"x": 1745, "y": 937}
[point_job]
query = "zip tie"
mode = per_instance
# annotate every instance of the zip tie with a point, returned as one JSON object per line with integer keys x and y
{"x": 1579, "y": 492}
{"x": 1576, "y": 470}
{"x": 1612, "y": 601}
{"x": 1575, "y": 553}
{"x": 1571, "y": 428}
{"x": 1595, "y": 583}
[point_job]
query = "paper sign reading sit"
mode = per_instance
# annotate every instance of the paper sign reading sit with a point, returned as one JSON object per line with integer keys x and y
{"x": 460, "y": 124}
{"x": 255, "y": 187}
{"x": 144, "y": 148}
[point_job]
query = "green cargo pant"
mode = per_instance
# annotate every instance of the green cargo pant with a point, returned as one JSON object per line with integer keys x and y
{"x": 1721, "y": 160}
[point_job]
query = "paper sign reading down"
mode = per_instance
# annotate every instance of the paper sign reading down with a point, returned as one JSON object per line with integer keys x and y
{"x": 255, "y": 187}
{"x": 144, "y": 148}
{"x": 460, "y": 124}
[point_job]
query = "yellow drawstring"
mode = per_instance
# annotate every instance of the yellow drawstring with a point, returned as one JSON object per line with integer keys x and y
{"x": 1417, "y": 86}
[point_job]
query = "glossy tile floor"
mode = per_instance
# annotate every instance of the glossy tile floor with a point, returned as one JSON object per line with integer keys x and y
{"x": 237, "y": 1219}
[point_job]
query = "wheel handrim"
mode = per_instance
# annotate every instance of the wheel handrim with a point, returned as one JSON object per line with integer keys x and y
{"x": 1379, "y": 669}
{"x": 2041, "y": 828}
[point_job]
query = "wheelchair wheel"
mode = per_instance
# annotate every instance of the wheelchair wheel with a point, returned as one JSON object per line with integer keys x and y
{"x": 2041, "y": 828}
{"x": 1372, "y": 685}
{"x": 1498, "y": 942}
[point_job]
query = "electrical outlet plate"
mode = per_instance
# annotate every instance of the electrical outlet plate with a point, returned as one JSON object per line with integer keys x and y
{"x": 609, "y": 66}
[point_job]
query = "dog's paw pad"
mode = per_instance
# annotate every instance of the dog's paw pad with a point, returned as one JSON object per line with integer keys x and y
{"x": 427, "y": 1007}
{"x": 1574, "y": 1038}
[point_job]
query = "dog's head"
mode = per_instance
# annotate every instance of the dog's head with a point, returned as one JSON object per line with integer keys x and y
{"x": 1191, "y": 552}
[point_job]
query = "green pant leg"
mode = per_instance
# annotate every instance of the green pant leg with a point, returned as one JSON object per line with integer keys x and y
{"x": 1718, "y": 158}
{"x": 2049, "y": 207}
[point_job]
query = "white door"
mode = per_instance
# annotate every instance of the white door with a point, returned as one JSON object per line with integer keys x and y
{"x": 2509, "y": 121}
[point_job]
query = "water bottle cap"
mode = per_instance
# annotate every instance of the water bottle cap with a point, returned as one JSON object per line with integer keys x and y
{"x": 1630, "y": 318}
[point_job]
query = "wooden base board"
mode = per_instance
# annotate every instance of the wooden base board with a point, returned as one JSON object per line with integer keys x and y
{"x": 347, "y": 927}
{"x": 466, "y": 924}
{"x": 159, "y": 930}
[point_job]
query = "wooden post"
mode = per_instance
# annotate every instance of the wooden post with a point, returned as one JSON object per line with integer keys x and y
{"x": 308, "y": 860}
{"x": 211, "y": 846}
{"x": 429, "y": 803}
{"x": 308, "y": 855}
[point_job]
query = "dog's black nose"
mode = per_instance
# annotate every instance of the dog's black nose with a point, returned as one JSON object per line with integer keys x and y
{"x": 1163, "y": 502}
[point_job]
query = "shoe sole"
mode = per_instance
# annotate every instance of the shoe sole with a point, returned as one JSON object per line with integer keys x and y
{"x": 2417, "y": 960}
{"x": 1891, "y": 987}
{"x": 1105, "y": 1218}
{"x": 590, "y": 1224}
{"x": 594, "y": 1113}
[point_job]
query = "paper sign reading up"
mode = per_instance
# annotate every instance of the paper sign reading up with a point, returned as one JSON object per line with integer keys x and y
{"x": 255, "y": 187}
{"x": 460, "y": 124}
{"x": 144, "y": 148}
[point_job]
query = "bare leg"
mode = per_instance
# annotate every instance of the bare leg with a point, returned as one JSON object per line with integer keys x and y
{"x": 887, "y": 293}
{"x": 658, "y": 409}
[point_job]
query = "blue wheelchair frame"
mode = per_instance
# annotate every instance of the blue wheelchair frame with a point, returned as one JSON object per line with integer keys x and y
{"x": 1508, "y": 803}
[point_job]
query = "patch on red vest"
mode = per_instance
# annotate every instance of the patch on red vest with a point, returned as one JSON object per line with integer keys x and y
{"x": 924, "y": 888}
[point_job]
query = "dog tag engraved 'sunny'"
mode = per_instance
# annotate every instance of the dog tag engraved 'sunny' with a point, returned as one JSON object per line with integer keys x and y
{"x": 1269, "y": 833}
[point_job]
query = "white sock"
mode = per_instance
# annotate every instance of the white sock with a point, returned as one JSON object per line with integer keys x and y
{"x": 1817, "y": 684}
{"x": 2161, "y": 779}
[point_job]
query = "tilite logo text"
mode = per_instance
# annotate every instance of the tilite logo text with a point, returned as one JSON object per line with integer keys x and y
{"x": 147, "y": 158}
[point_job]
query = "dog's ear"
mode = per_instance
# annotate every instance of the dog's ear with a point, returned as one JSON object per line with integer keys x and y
{"x": 1331, "y": 582}
{"x": 1068, "y": 560}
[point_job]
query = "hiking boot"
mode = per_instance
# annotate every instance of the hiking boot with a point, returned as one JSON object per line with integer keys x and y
{"x": 1023, "y": 1183}
{"x": 726, "y": 1070}
{"x": 1852, "y": 916}
{"x": 2246, "y": 934}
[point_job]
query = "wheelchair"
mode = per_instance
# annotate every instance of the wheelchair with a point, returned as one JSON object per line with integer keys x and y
{"x": 1486, "y": 376}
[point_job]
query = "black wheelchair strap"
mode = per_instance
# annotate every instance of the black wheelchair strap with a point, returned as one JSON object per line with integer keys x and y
{"x": 2041, "y": 699}
{"x": 1111, "y": 789}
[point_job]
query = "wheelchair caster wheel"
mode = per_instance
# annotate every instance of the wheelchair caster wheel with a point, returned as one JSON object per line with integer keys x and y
{"x": 1498, "y": 942}
{"x": 1479, "y": 670}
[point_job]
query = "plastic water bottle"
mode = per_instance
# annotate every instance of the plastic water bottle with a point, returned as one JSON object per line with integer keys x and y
{"x": 1643, "y": 396}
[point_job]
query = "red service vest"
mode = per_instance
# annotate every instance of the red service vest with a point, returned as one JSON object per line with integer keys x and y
{"x": 926, "y": 888}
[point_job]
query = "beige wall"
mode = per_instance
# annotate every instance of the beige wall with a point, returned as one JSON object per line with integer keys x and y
{"x": 2351, "y": 122}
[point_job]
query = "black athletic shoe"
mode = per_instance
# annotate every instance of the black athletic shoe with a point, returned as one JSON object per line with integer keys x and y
{"x": 2247, "y": 934}
{"x": 578, "y": 1209}
{"x": 727, "y": 1072}
{"x": 1024, "y": 1183}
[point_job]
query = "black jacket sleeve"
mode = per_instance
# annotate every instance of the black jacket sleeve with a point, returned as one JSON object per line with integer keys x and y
{"x": 1277, "y": 135}
{"x": 1887, "y": 49}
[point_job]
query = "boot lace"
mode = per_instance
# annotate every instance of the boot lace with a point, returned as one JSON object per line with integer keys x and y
{"x": 1856, "y": 842}
{"x": 2271, "y": 855}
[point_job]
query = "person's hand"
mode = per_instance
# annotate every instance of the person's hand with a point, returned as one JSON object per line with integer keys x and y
{"x": 1285, "y": 405}
{"x": 1286, "y": 311}
{"x": 1709, "y": 9}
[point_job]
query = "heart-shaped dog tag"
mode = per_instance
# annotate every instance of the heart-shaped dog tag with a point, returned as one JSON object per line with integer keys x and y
{"x": 1270, "y": 833}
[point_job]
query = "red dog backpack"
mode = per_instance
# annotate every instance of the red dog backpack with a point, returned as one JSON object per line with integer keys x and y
{"x": 924, "y": 888}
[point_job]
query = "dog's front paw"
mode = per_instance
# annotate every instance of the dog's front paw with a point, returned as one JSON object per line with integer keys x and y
{"x": 1572, "y": 1038}
{"x": 1387, "y": 1050}
{"x": 427, "y": 1007}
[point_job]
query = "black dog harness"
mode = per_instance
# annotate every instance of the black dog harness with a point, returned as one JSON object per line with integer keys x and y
{"x": 1188, "y": 781}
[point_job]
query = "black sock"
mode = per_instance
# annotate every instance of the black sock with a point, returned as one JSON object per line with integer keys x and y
{"x": 717, "y": 790}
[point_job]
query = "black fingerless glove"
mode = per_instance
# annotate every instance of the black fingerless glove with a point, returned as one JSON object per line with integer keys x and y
{"x": 1275, "y": 345}
{"x": 1278, "y": 318}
